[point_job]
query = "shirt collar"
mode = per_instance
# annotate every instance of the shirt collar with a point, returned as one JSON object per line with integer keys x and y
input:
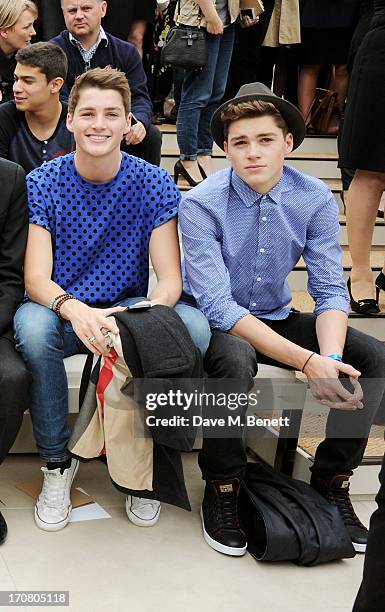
{"x": 102, "y": 37}
{"x": 250, "y": 197}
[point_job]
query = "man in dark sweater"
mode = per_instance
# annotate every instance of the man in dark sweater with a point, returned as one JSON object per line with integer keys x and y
{"x": 33, "y": 126}
{"x": 14, "y": 377}
{"x": 88, "y": 46}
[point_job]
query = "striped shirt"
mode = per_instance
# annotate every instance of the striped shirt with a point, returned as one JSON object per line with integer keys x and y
{"x": 240, "y": 246}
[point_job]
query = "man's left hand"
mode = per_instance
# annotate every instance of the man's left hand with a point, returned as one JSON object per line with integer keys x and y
{"x": 135, "y": 134}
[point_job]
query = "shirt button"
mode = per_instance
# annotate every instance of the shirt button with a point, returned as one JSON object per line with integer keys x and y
{"x": 45, "y": 141}
{"x": 264, "y": 218}
{"x": 261, "y": 250}
{"x": 253, "y": 304}
{"x": 44, "y": 151}
{"x": 259, "y": 279}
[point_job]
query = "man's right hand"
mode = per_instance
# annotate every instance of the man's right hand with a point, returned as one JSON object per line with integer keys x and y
{"x": 214, "y": 25}
{"x": 88, "y": 322}
{"x": 323, "y": 377}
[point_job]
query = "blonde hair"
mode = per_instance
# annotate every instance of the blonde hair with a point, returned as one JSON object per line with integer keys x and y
{"x": 101, "y": 78}
{"x": 11, "y": 10}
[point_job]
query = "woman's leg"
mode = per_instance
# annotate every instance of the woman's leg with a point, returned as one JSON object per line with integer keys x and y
{"x": 307, "y": 84}
{"x": 196, "y": 92}
{"x": 362, "y": 203}
{"x": 222, "y": 59}
{"x": 340, "y": 83}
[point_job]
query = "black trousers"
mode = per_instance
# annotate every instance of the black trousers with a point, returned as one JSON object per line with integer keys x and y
{"x": 14, "y": 394}
{"x": 150, "y": 147}
{"x": 371, "y": 596}
{"x": 232, "y": 357}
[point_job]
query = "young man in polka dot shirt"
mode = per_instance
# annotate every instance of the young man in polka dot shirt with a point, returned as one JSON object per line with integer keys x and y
{"x": 244, "y": 229}
{"x": 95, "y": 217}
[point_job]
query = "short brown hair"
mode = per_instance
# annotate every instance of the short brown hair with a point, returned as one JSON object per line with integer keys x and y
{"x": 50, "y": 59}
{"x": 248, "y": 110}
{"x": 101, "y": 78}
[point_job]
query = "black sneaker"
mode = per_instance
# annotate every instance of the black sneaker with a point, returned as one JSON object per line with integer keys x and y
{"x": 3, "y": 529}
{"x": 336, "y": 490}
{"x": 221, "y": 527}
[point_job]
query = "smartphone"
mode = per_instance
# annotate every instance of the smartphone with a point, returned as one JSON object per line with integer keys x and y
{"x": 249, "y": 12}
{"x": 140, "y": 306}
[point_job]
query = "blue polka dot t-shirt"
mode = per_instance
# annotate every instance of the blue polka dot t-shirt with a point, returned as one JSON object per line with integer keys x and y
{"x": 101, "y": 231}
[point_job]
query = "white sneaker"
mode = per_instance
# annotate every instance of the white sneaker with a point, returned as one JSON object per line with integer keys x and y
{"x": 142, "y": 512}
{"x": 53, "y": 506}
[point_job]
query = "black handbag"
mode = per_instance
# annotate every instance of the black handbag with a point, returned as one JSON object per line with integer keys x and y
{"x": 287, "y": 520}
{"x": 185, "y": 46}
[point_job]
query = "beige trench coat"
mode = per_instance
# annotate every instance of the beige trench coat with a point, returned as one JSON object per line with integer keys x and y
{"x": 284, "y": 27}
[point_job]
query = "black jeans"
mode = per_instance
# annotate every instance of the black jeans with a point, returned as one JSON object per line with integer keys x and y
{"x": 232, "y": 357}
{"x": 150, "y": 147}
{"x": 371, "y": 596}
{"x": 14, "y": 389}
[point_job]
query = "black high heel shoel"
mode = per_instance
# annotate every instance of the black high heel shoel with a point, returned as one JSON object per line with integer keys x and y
{"x": 380, "y": 285}
{"x": 180, "y": 170}
{"x": 367, "y": 306}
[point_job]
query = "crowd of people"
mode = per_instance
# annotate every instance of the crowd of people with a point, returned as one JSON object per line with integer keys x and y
{"x": 85, "y": 204}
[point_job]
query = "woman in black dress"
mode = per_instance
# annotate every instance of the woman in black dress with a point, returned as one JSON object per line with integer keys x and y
{"x": 363, "y": 147}
{"x": 327, "y": 27}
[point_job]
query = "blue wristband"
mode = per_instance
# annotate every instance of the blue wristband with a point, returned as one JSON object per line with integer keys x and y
{"x": 335, "y": 356}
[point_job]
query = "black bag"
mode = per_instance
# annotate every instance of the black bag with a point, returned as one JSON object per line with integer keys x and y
{"x": 185, "y": 46}
{"x": 287, "y": 520}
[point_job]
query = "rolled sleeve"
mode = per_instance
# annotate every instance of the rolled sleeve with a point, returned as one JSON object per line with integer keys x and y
{"x": 168, "y": 201}
{"x": 323, "y": 258}
{"x": 37, "y": 207}
{"x": 206, "y": 272}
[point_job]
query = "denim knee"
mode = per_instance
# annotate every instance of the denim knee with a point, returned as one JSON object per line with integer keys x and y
{"x": 197, "y": 326}
{"x": 38, "y": 331}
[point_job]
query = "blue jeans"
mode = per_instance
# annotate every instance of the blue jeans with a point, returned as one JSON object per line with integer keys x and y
{"x": 44, "y": 341}
{"x": 202, "y": 93}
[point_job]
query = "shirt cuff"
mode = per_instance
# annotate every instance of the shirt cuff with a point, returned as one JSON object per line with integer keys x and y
{"x": 225, "y": 318}
{"x": 334, "y": 303}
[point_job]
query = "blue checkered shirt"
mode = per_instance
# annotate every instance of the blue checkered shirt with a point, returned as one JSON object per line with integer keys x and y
{"x": 240, "y": 246}
{"x": 87, "y": 55}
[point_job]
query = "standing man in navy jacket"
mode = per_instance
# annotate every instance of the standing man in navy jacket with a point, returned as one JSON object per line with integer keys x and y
{"x": 88, "y": 46}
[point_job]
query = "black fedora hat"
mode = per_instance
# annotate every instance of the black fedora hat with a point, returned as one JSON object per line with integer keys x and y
{"x": 259, "y": 91}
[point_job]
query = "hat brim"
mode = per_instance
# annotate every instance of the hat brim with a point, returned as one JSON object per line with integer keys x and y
{"x": 289, "y": 112}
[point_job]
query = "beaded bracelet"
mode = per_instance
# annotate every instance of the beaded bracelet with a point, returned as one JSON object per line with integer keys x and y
{"x": 60, "y": 302}
{"x": 52, "y": 303}
{"x": 307, "y": 361}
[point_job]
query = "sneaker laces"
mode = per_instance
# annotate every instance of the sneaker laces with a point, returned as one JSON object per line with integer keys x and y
{"x": 341, "y": 499}
{"x": 54, "y": 489}
{"x": 227, "y": 511}
{"x": 140, "y": 502}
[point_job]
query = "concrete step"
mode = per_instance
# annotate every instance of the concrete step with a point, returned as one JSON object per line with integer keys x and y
{"x": 298, "y": 277}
